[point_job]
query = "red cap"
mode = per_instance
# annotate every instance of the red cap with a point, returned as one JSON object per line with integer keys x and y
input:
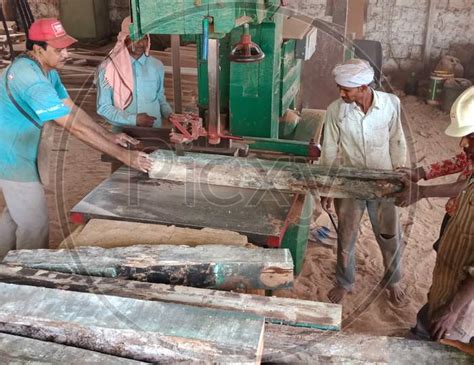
{"x": 51, "y": 31}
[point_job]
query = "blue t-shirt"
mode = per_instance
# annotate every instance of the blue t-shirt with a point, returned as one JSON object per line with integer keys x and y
{"x": 41, "y": 96}
{"x": 148, "y": 95}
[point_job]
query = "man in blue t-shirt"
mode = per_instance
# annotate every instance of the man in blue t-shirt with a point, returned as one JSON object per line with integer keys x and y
{"x": 32, "y": 94}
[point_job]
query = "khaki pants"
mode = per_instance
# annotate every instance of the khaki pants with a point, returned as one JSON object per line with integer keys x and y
{"x": 24, "y": 222}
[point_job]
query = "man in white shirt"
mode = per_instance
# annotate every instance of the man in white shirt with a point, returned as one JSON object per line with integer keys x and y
{"x": 363, "y": 129}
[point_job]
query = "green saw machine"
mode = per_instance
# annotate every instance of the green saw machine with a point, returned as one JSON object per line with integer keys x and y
{"x": 249, "y": 76}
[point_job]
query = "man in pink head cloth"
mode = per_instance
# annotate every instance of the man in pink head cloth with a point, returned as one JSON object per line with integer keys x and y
{"x": 131, "y": 84}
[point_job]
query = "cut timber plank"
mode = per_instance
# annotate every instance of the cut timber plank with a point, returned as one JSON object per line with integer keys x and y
{"x": 289, "y": 345}
{"x": 293, "y": 312}
{"x": 109, "y": 233}
{"x": 341, "y": 182}
{"x": 22, "y": 350}
{"x": 218, "y": 267}
{"x": 135, "y": 329}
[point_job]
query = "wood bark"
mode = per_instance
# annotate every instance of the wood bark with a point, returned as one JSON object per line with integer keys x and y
{"x": 294, "y": 312}
{"x": 336, "y": 182}
{"x": 217, "y": 267}
{"x": 21, "y": 350}
{"x": 109, "y": 233}
{"x": 289, "y": 345}
{"x": 135, "y": 329}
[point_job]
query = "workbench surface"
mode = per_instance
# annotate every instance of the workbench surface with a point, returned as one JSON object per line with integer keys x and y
{"x": 132, "y": 196}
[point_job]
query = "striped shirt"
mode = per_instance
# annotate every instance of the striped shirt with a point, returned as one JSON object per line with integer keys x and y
{"x": 455, "y": 255}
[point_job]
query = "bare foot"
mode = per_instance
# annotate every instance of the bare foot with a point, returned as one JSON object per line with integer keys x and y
{"x": 396, "y": 294}
{"x": 337, "y": 294}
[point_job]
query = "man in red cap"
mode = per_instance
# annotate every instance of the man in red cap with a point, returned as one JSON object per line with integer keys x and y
{"x": 32, "y": 94}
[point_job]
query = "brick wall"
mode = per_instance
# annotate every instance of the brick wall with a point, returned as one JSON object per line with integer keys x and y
{"x": 400, "y": 25}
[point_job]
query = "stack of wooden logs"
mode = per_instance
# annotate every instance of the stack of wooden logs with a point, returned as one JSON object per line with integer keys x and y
{"x": 123, "y": 301}
{"x": 121, "y": 304}
{"x": 70, "y": 318}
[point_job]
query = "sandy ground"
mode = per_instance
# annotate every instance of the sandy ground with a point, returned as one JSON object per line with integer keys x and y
{"x": 79, "y": 170}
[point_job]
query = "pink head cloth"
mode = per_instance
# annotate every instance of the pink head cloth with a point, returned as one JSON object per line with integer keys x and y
{"x": 118, "y": 69}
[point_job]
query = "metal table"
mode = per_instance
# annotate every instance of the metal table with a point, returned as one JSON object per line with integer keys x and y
{"x": 132, "y": 196}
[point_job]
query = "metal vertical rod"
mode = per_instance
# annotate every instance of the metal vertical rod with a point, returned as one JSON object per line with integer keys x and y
{"x": 31, "y": 18}
{"x": 26, "y": 13}
{"x": 7, "y": 33}
{"x": 176, "y": 62}
{"x": 214, "y": 113}
{"x": 23, "y": 17}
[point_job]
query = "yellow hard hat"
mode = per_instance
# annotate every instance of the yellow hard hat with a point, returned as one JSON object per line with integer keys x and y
{"x": 462, "y": 115}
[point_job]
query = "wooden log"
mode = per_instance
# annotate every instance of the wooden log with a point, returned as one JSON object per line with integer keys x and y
{"x": 293, "y": 312}
{"x": 289, "y": 345}
{"x": 135, "y": 329}
{"x": 339, "y": 182}
{"x": 216, "y": 266}
{"x": 109, "y": 233}
{"x": 22, "y": 350}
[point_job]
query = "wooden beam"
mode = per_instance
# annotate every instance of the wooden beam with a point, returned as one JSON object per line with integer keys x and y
{"x": 139, "y": 330}
{"x": 109, "y": 233}
{"x": 217, "y": 267}
{"x": 432, "y": 4}
{"x": 293, "y": 312}
{"x": 337, "y": 182}
{"x": 289, "y": 345}
{"x": 22, "y": 350}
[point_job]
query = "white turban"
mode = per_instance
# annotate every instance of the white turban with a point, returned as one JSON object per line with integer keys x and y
{"x": 354, "y": 73}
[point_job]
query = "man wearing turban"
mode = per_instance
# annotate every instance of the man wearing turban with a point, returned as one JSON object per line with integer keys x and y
{"x": 363, "y": 130}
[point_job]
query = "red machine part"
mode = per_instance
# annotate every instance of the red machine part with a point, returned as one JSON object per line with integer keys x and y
{"x": 188, "y": 128}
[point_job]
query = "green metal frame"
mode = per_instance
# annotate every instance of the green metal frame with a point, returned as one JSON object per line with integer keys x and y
{"x": 297, "y": 233}
{"x": 185, "y": 16}
{"x": 253, "y": 95}
{"x": 290, "y": 147}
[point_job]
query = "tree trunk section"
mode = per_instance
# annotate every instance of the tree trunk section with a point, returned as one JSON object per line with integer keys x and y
{"x": 293, "y": 312}
{"x": 289, "y": 345}
{"x": 216, "y": 267}
{"x": 336, "y": 182}
{"x": 135, "y": 329}
{"x": 21, "y": 350}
